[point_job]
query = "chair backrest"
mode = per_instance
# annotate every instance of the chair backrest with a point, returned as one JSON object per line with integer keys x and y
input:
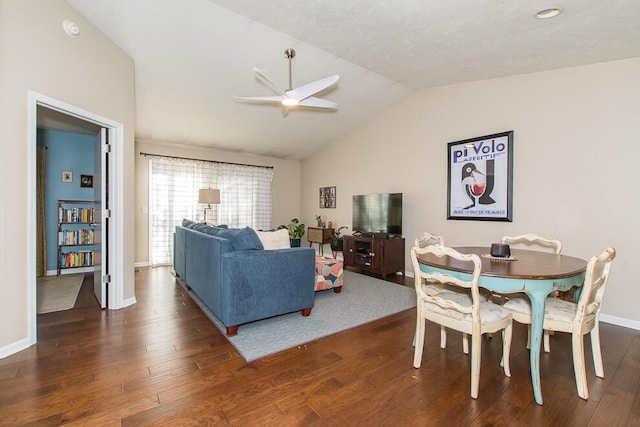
{"x": 595, "y": 283}
{"x": 534, "y": 239}
{"x": 427, "y": 238}
{"x": 422, "y": 277}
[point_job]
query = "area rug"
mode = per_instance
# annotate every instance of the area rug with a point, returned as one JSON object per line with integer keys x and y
{"x": 57, "y": 293}
{"x": 363, "y": 299}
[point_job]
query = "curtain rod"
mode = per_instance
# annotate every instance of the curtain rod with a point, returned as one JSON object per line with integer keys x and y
{"x": 208, "y": 161}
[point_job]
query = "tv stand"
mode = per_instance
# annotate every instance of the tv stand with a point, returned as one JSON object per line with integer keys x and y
{"x": 374, "y": 255}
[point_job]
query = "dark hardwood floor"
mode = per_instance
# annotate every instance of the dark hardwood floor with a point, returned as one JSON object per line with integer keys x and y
{"x": 162, "y": 362}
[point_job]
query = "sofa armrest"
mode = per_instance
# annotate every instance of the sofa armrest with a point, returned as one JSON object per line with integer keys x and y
{"x": 259, "y": 284}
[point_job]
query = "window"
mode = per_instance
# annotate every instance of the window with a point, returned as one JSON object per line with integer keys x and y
{"x": 245, "y": 198}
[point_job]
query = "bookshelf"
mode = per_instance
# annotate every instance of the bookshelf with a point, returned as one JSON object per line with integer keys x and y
{"x": 76, "y": 234}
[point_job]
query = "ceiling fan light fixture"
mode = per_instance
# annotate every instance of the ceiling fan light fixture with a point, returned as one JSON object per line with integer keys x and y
{"x": 549, "y": 13}
{"x": 289, "y": 102}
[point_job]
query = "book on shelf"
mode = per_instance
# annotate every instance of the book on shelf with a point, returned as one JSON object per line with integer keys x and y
{"x": 75, "y": 214}
{"x": 76, "y": 259}
{"x": 76, "y": 237}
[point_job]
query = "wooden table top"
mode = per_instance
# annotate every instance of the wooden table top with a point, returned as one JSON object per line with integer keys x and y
{"x": 527, "y": 264}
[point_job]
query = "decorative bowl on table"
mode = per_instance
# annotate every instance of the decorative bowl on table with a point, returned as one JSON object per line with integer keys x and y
{"x": 500, "y": 250}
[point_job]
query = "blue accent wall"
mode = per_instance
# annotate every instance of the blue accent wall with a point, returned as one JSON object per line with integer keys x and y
{"x": 66, "y": 151}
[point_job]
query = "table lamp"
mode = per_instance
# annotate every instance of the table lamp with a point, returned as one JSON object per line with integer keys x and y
{"x": 209, "y": 196}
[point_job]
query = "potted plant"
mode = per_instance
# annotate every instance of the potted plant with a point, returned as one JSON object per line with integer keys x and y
{"x": 336, "y": 240}
{"x": 319, "y": 221}
{"x": 296, "y": 231}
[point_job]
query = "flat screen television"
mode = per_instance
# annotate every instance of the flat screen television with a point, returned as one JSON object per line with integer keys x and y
{"x": 377, "y": 214}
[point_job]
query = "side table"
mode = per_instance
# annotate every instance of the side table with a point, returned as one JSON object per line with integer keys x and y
{"x": 320, "y": 236}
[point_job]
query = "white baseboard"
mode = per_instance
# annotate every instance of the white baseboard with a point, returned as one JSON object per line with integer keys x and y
{"x": 129, "y": 301}
{"x": 142, "y": 264}
{"x": 620, "y": 321}
{"x": 14, "y": 348}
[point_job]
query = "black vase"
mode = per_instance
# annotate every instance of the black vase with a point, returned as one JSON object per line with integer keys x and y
{"x": 295, "y": 243}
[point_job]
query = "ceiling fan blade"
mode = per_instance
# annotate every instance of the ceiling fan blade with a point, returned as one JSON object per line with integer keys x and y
{"x": 268, "y": 81}
{"x": 275, "y": 98}
{"x": 317, "y": 103}
{"x": 309, "y": 89}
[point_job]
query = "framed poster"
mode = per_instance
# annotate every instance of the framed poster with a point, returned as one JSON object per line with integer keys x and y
{"x": 327, "y": 197}
{"x": 480, "y": 178}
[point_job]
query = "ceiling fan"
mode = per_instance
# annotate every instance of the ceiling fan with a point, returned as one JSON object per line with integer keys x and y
{"x": 301, "y": 96}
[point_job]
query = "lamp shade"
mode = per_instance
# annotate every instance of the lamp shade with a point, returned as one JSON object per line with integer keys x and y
{"x": 209, "y": 195}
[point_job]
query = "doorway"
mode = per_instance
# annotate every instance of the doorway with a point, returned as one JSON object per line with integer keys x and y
{"x": 113, "y": 131}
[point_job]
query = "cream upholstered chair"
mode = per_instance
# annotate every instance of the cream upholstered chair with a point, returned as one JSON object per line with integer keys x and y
{"x": 576, "y": 318}
{"x": 530, "y": 240}
{"x": 465, "y": 313}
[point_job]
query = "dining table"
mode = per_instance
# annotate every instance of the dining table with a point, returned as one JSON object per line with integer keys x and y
{"x": 535, "y": 273}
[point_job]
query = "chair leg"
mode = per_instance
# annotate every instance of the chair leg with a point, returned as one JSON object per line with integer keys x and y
{"x": 506, "y": 349}
{"x": 596, "y": 350}
{"x": 476, "y": 350}
{"x": 419, "y": 339}
{"x": 577, "y": 344}
{"x": 465, "y": 343}
{"x": 547, "y": 345}
{"x": 443, "y": 337}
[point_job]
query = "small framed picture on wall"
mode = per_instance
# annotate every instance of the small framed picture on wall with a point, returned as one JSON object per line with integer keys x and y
{"x": 86, "y": 181}
{"x": 327, "y": 197}
{"x": 67, "y": 176}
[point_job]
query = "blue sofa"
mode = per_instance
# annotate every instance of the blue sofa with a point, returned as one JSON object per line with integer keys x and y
{"x": 237, "y": 279}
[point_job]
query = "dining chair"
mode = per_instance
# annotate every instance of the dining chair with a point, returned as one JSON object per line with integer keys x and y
{"x": 535, "y": 240}
{"x": 426, "y": 239}
{"x": 530, "y": 240}
{"x": 465, "y": 313}
{"x": 578, "y": 319}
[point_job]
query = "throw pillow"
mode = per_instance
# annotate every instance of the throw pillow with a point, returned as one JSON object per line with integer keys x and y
{"x": 200, "y": 227}
{"x": 242, "y": 239}
{"x": 187, "y": 223}
{"x": 274, "y": 239}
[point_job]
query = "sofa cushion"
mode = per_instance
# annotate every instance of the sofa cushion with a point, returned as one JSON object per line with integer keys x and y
{"x": 187, "y": 223}
{"x": 278, "y": 239}
{"x": 200, "y": 227}
{"x": 213, "y": 230}
{"x": 241, "y": 239}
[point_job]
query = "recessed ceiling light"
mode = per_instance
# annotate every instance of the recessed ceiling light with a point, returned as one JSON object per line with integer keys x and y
{"x": 549, "y": 13}
{"x": 71, "y": 28}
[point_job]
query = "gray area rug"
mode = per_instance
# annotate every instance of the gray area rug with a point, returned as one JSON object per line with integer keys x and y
{"x": 363, "y": 299}
{"x": 58, "y": 293}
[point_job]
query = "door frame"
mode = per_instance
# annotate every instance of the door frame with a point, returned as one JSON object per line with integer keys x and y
{"x": 115, "y": 187}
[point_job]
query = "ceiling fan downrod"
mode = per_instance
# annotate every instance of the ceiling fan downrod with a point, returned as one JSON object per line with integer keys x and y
{"x": 289, "y": 54}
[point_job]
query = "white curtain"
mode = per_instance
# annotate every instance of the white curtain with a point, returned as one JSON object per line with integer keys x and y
{"x": 245, "y": 198}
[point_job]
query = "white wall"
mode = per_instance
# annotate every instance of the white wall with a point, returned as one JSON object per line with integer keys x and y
{"x": 285, "y": 187}
{"x": 576, "y": 151}
{"x": 88, "y": 72}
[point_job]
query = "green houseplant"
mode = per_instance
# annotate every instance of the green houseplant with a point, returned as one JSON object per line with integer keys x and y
{"x": 337, "y": 243}
{"x": 296, "y": 231}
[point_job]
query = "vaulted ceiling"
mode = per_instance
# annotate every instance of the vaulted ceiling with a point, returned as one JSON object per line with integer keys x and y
{"x": 192, "y": 56}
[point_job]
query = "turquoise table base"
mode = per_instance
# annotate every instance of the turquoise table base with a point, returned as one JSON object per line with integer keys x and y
{"x": 537, "y": 290}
